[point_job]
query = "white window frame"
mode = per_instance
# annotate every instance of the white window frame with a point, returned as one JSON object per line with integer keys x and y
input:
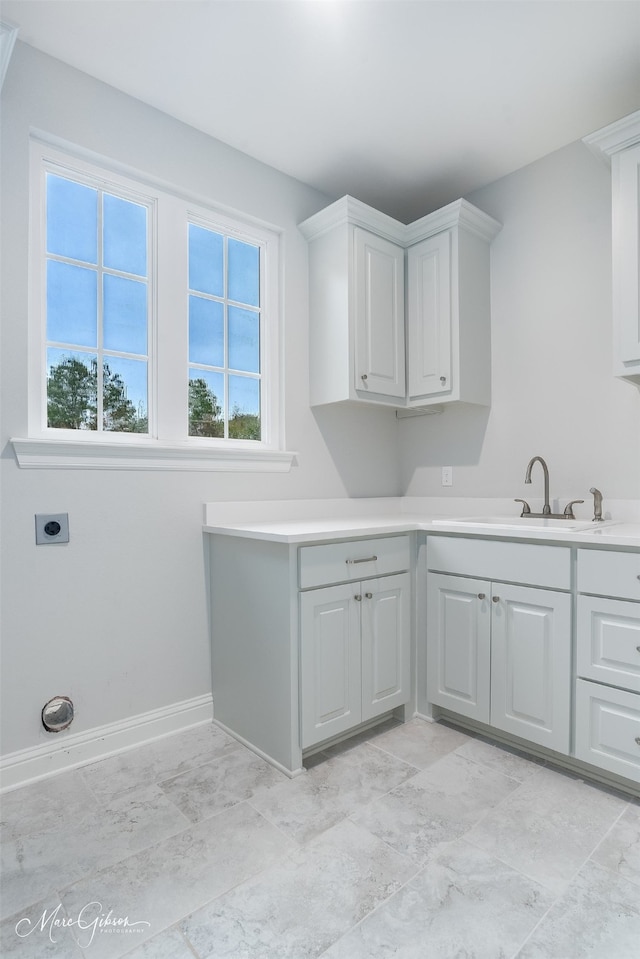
{"x": 168, "y": 445}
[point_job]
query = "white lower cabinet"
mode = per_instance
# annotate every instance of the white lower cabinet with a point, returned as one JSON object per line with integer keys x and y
{"x": 608, "y": 661}
{"x": 354, "y": 654}
{"x": 497, "y": 652}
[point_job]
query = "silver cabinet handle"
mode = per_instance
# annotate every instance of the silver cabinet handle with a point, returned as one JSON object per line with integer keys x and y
{"x": 481, "y": 596}
{"x": 364, "y": 377}
{"x": 367, "y": 559}
{"x": 495, "y": 599}
{"x": 368, "y": 595}
{"x": 358, "y": 598}
{"x": 443, "y": 380}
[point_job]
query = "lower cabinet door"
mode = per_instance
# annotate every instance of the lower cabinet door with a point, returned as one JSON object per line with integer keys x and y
{"x": 459, "y": 645}
{"x": 386, "y": 652}
{"x": 608, "y": 728}
{"x": 330, "y": 664}
{"x": 531, "y": 664}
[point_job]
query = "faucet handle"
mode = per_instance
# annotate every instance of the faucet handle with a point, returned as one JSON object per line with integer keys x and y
{"x": 568, "y": 510}
{"x": 526, "y": 509}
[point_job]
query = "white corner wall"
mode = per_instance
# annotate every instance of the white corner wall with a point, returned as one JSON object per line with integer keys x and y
{"x": 554, "y": 394}
{"x": 117, "y": 620}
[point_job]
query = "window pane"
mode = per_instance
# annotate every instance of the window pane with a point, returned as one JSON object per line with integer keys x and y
{"x": 124, "y": 233}
{"x": 206, "y": 261}
{"x": 71, "y": 390}
{"x": 206, "y": 403}
{"x": 72, "y": 219}
{"x": 244, "y": 340}
{"x": 244, "y": 407}
{"x": 124, "y": 395}
{"x": 244, "y": 273}
{"x": 206, "y": 331}
{"x": 72, "y": 298}
{"x": 125, "y": 315}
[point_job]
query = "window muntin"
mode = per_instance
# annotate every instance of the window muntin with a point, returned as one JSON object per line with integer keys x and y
{"x": 225, "y": 335}
{"x": 97, "y": 308}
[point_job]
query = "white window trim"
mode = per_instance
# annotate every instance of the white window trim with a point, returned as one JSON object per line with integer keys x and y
{"x": 170, "y": 448}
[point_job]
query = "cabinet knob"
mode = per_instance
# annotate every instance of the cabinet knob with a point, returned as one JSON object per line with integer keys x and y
{"x": 364, "y": 377}
{"x": 481, "y": 596}
{"x": 495, "y": 599}
{"x": 358, "y": 598}
{"x": 638, "y": 740}
{"x": 443, "y": 380}
{"x": 638, "y": 648}
{"x": 368, "y": 595}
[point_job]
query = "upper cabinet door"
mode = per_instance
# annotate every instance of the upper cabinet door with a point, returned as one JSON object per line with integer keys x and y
{"x": 626, "y": 264}
{"x": 379, "y": 326}
{"x": 429, "y": 290}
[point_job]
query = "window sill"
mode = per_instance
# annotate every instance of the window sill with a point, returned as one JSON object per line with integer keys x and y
{"x": 80, "y": 454}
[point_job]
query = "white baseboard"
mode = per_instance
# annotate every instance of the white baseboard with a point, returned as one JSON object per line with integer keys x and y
{"x": 39, "y": 762}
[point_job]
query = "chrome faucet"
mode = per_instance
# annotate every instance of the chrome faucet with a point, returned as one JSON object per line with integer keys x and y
{"x": 546, "y": 509}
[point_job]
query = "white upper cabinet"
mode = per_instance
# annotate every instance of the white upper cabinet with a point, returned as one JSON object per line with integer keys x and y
{"x": 449, "y": 307}
{"x": 620, "y": 142}
{"x": 356, "y": 305}
{"x": 366, "y": 343}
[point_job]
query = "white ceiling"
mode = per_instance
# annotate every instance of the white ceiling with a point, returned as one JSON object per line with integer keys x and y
{"x": 405, "y": 105}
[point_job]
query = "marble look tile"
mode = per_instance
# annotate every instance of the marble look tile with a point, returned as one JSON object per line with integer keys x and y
{"x": 36, "y": 933}
{"x": 508, "y": 761}
{"x": 158, "y": 760}
{"x": 33, "y": 865}
{"x": 45, "y": 804}
{"x": 548, "y": 827}
{"x": 597, "y": 918}
{"x": 327, "y": 793}
{"x": 438, "y": 805}
{"x": 231, "y": 779}
{"x": 464, "y": 903}
{"x": 297, "y": 909}
{"x": 170, "y": 944}
{"x": 164, "y": 883}
{"x": 619, "y": 851}
{"x": 420, "y": 743}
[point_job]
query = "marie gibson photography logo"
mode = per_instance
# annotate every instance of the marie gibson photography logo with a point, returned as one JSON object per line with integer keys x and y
{"x": 90, "y": 921}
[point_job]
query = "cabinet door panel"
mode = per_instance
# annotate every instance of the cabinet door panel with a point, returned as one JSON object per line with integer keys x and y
{"x": 380, "y": 316}
{"x": 459, "y": 645}
{"x": 429, "y": 285}
{"x": 531, "y": 664}
{"x": 329, "y": 662}
{"x": 626, "y": 269}
{"x": 608, "y": 645}
{"x": 385, "y": 644}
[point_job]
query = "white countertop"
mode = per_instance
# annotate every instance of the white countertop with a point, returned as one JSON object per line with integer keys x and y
{"x": 306, "y": 521}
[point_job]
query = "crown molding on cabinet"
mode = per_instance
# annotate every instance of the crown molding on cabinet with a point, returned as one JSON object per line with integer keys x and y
{"x": 615, "y": 137}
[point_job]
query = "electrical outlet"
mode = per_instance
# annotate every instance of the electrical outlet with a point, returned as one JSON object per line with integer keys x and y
{"x": 52, "y": 528}
{"x": 447, "y": 475}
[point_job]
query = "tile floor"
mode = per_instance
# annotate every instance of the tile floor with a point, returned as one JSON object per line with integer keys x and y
{"x": 415, "y": 841}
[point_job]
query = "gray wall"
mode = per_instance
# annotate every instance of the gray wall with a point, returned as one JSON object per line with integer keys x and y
{"x": 553, "y": 392}
{"x": 118, "y": 619}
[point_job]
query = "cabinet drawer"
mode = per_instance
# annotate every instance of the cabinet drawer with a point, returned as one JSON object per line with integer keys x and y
{"x": 353, "y": 560}
{"x": 609, "y": 573}
{"x": 608, "y": 648}
{"x": 608, "y": 728}
{"x": 548, "y": 566}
